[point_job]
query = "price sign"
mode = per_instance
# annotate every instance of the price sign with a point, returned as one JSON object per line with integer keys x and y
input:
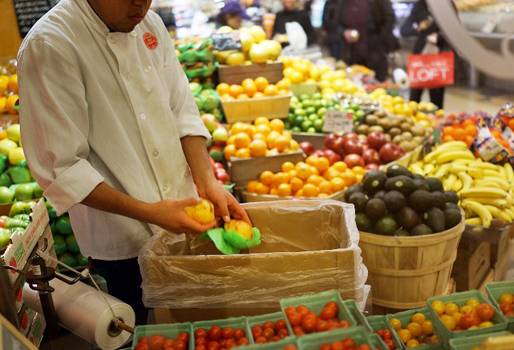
{"x": 226, "y": 41}
{"x": 338, "y": 122}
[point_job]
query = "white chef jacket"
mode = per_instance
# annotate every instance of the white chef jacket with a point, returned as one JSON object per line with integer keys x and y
{"x": 103, "y": 106}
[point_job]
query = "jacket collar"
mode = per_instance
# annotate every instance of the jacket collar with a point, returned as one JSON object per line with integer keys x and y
{"x": 91, "y": 17}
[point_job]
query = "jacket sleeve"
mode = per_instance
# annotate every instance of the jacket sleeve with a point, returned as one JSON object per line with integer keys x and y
{"x": 307, "y": 26}
{"x": 330, "y": 18}
{"x": 54, "y": 123}
{"x": 388, "y": 16}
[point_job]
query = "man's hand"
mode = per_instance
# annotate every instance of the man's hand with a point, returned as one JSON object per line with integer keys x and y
{"x": 224, "y": 203}
{"x": 351, "y": 36}
{"x": 171, "y": 216}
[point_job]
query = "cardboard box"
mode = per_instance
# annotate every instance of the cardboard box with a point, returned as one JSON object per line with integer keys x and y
{"x": 17, "y": 253}
{"x": 472, "y": 264}
{"x": 307, "y": 247}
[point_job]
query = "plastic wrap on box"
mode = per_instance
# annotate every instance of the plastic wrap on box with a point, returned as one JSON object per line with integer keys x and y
{"x": 307, "y": 246}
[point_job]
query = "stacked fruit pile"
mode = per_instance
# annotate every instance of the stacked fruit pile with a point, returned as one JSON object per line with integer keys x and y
{"x": 386, "y": 335}
{"x": 345, "y": 344}
{"x": 9, "y": 89}
{"x": 261, "y": 139}
{"x": 9, "y": 225}
{"x": 401, "y": 130}
{"x": 485, "y": 189}
{"x": 399, "y": 203}
{"x": 470, "y": 315}
{"x": 159, "y": 342}
{"x": 207, "y": 99}
{"x": 465, "y": 131}
{"x": 304, "y": 321}
{"x": 269, "y": 331}
{"x": 315, "y": 177}
{"x": 196, "y": 58}
{"x": 307, "y": 113}
{"x": 506, "y": 302}
{"x": 249, "y": 88}
{"x": 217, "y": 338}
{"x": 417, "y": 332}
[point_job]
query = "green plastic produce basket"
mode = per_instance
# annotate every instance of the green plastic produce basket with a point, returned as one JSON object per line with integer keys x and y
{"x": 495, "y": 290}
{"x": 171, "y": 331}
{"x": 234, "y": 322}
{"x": 377, "y": 342}
{"x": 380, "y": 322}
{"x": 259, "y": 320}
{"x": 316, "y": 302}
{"x": 315, "y": 340}
{"x": 470, "y": 342}
{"x": 278, "y": 345}
{"x": 405, "y": 317}
{"x": 444, "y": 334}
{"x": 356, "y": 313}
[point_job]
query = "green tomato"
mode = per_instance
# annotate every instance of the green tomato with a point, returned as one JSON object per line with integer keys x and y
{"x": 311, "y": 130}
{"x": 299, "y": 121}
{"x": 296, "y": 129}
{"x": 322, "y": 111}
{"x": 291, "y": 118}
{"x": 318, "y": 124}
{"x": 306, "y": 125}
{"x": 313, "y": 117}
{"x": 299, "y": 112}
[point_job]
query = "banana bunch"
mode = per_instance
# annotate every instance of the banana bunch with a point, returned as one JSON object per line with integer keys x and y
{"x": 486, "y": 190}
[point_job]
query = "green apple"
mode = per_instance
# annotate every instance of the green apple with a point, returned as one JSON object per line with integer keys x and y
{"x": 5, "y": 237}
{"x": 6, "y": 145}
{"x": 210, "y": 122}
{"x": 24, "y": 192}
{"x": 71, "y": 244}
{"x": 306, "y": 125}
{"x": 6, "y": 195}
{"x": 16, "y": 155}
{"x": 20, "y": 208}
{"x": 13, "y": 132}
{"x": 59, "y": 245}
{"x": 220, "y": 134}
{"x": 63, "y": 225}
{"x": 313, "y": 117}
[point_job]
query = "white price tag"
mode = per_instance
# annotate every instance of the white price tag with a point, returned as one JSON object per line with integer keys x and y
{"x": 338, "y": 122}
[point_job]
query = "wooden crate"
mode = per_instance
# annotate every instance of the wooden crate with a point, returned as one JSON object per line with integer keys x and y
{"x": 316, "y": 139}
{"x": 248, "y": 110}
{"x": 472, "y": 264}
{"x": 236, "y": 74}
{"x": 253, "y": 197}
{"x": 243, "y": 170}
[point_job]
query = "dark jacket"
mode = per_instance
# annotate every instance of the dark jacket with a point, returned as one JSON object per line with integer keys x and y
{"x": 380, "y": 29}
{"x": 419, "y": 13}
{"x": 294, "y": 16}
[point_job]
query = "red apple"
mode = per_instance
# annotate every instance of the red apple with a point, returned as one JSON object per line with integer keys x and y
{"x": 219, "y": 165}
{"x": 351, "y": 136}
{"x": 372, "y": 166}
{"x": 390, "y": 152}
{"x": 352, "y": 147}
{"x": 307, "y": 147}
{"x": 331, "y": 156}
{"x": 353, "y": 160}
{"x": 371, "y": 156}
{"x": 318, "y": 153}
{"x": 376, "y": 140}
{"x": 338, "y": 147}
{"x": 222, "y": 175}
{"x": 329, "y": 141}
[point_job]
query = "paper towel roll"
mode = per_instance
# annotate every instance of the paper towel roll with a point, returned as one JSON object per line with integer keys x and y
{"x": 83, "y": 311}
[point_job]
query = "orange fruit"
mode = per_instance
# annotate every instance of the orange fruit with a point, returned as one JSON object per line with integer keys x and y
{"x": 449, "y": 322}
{"x": 271, "y": 139}
{"x": 223, "y": 89}
{"x": 283, "y": 92}
{"x": 323, "y": 195}
{"x": 427, "y": 328}
{"x": 3, "y": 134}
{"x": 276, "y": 125}
{"x": 296, "y": 184}
{"x": 287, "y": 135}
{"x": 247, "y": 82}
{"x": 287, "y": 166}
{"x": 271, "y": 90}
{"x": 451, "y": 308}
{"x": 261, "y": 121}
{"x": 266, "y": 177}
{"x": 294, "y": 145}
{"x": 412, "y": 343}
{"x": 259, "y": 136}
{"x": 438, "y": 307}
{"x": 273, "y": 192}
{"x": 293, "y": 173}
{"x": 258, "y": 148}
{"x": 304, "y": 171}
{"x": 229, "y": 151}
{"x": 358, "y": 170}
{"x": 258, "y": 95}
{"x": 250, "y": 90}
{"x": 284, "y": 190}
{"x": 226, "y": 97}
{"x": 322, "y": 164}
{"x": 315, "y": 180}
{"x": 396, "y": 324}
{"x": 262, "y": 188}
{"x": 414, "y": 329}
{"x": 263, "y": 129}
{"x": 249, "y": 129}
{"x": 311, "y": 160}
{"x": 12, "y": 85}
{"x": 338, "y": 184}
{"x": 299, "y": 193}
{"x": 331, "y": 173}
{"x": 418, "y": 317}
{"x": 243, "y": 97}
{"x": 242, "y": 140}
{"x": 236, "y": 90}
{"x": 261, "y": 84}
{"x": 243, "y": 153}
{"x": 405, "y": 335}
{"x": 325, "y": 187}
{"x": 252, "y": 186}
{"x": 314, "y": 170}
{"x": 280, "y": 178}
{"x": 309, "y": 190}
{"x": 237, "y": 127}
{"x": 231, "y": 139}
{"x": 281, "y": 143}
{"x": 358, "y": 178}
{"x": 283, "y": 84}
{"x": 349, "y": 178}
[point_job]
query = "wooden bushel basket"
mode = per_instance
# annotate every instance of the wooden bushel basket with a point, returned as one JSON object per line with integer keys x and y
{"x": 405, "y": 271}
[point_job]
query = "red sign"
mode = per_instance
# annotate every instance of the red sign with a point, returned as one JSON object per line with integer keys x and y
{"x": 150, "y": 40}
{"x": 431, "y": 70}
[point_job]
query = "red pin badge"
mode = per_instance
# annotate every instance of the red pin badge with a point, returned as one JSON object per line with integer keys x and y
{"x": 150, "y": 40}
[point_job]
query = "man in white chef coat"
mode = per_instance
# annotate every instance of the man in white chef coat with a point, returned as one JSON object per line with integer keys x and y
{"x": 112, "y": 133}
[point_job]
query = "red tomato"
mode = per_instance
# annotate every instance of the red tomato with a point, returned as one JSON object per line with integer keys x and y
{"x": 214, "y": 333}
{"x": 239, "y": 333}
{"x": 485, "y": 312}
{"x": 223, "y": 343}
{"x": 142, "y": 346}
{"x": 325, "y": 347}
{"x": 282, "y": 333}
{"x": 183, "y": 336}
{"x": 200, "y": 333}
{"x": 332, "y": 324}
{"x": 268, "y": 333}
{"x": 298, "y": 331}
{"x": 506, "y": 308}
{"x": 390, "y": 344}
{"x": 290, "y": 347}
{"x": 275, "y": 338}
{"x": 201, "y": 341}
{"x": 387, "y": 334}
{"x": 281, "y": 324}
{"x": 328, "y": 313}
{"x": 468, "y": 320}
{"x": 168, "y": 348}
{"x": 227, "y": 333}
{"x": 180, "y": 345}
{"x": 290, "y": 310}
{"x": 200, "y": 347}
{"x": 261, "y": 340}
{"x": 321, "y": 325}
{"x": 169, "y": 343}
{"x": 302, "y": 310}
{"x": 344, "y": 324}
{"x": 309, "y": 323}
{"x": 230, "y": 343}
{"x": 295, "y": 319}
{"x": 213, "y": 345}
{"x": 156, "y": 342}
{"x": 256, "y": 331}
{"x": 332, "y": 304}
{"x": 242, "y": 341}
{"x": 364, "y": 347}
{"x": 268, "y": 324}
{"x": 348, "y": 343}
{"x": 337, "y": 346}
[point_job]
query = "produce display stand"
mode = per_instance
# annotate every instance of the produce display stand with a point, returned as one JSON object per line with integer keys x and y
{"x": 316, "y": 139}
{"x": 247, "y": 110}
{"x": 236, "y": 74}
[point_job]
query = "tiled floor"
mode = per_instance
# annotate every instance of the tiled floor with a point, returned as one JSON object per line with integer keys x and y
{"x": 459, "y": 99}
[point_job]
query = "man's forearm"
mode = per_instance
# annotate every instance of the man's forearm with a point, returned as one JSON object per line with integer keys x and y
{"x": 198, "y": 159}
{"x": 108, "y": 199}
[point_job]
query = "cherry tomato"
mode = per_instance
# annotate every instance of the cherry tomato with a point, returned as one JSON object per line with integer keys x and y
{"x": 230, "y": 343}
{"x": 390, "y": 344}
{"x": 268, "y": 324}
{"x": 337, "y": 345}
{"x": 328, "y": 313}
{"x": 332, "y": 304}
{"x": 298, "y": 331}
{"x": 268, "y": 333}
{"x": 364, "y": 347}
{"x": 184, "y": 336}
{"x": 332, "y": 324}
{"x": 200, "y": 333}
{"x": 227, "y": 333}
{"x": 201, "y": 341}
{"x": 290, "y": 347}
{"x": 348, "y": 343}
{"x": 213, "y": 345}
{"x": 295, "y": 319}
{"x": 281, "y": 324}
{"x": 142, "y": 346}
{"x": 223, "y": 343}
{"x": 344, "y": 324}
{"x": 180, "y": 345}
{"x": 275, "y": 338}
{"x": 290, "y": 310}
{"x": 309, "y": 323}
{"x": 321, "y": 325}
{"x": 325, "y": 347}
{"x": 387, "y": 334}
{"x": 214, "y": 333}
{"x": 261, "y": 340}
{"x": 169, "y": 343}
{"x": 282, "y": 333}
{"x": 302, "y": 310}
{"x": 156, "y": 342}
{"x": 242, "y": 341}
{"x": 168, "y": 348}
{"x": 239, "y": 333}
{"x": 256, "y": 331}
{"x": 200, "y": 347}
{"x": 485, "y": 312}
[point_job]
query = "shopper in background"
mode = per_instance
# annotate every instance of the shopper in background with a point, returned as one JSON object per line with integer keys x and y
{"x": 429, "y": 40}
{"x": 293, "y": 13}
{"x": 232, "y": 15}
{"x": 360, "y": 32}
{"x": 113, "y": 135}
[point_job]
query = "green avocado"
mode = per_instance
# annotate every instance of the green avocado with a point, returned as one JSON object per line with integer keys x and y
{"x": 394, "y": 201}
{"x": 374, "y": 181}
{"x": 398, "y": 170}
{"x": 350, "y": 190}
{"x": 363, "y": 222}
{"x": 380, "y": 194}
{"x": 63, "y": 225}
{"x": 407, "y": 218}
{"x": 450, "y": 205}
{"x": 421, "y": 230}
{"x": 420, "y": 200}
{"x": 401, "y": 183}
{"x": 439, "y": 199}
{"x": 359, "y": 200}
{"x": 434, "y": 184}
{"x": 435, "y": 219}
{"x": 420, "y": 184}
{"x": 386, "y": 226}
{"x": 453, "y": 217}
{"x": 376, "y": 208}
{"x": 401, "y": 232}
{"x": 451, "y": 197}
